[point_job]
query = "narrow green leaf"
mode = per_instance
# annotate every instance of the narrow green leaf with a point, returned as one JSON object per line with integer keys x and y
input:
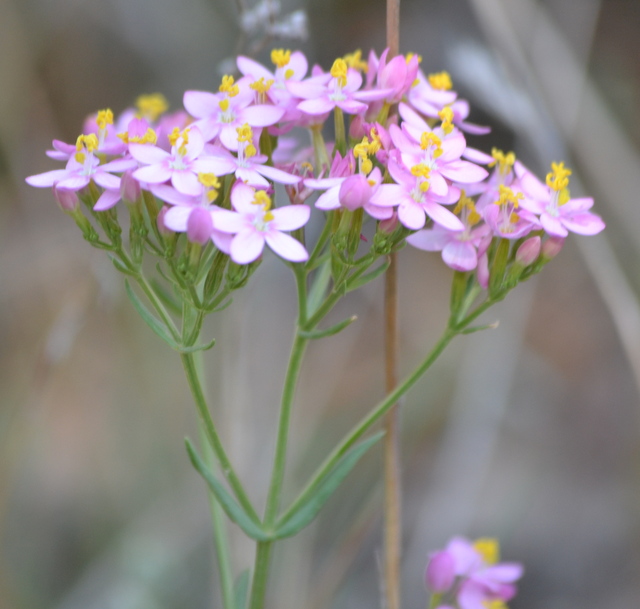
{"x": 360, "y": 281}
{"x": 241, "y": 589}
{"x": 229, "y": 505}
{"x": 311, "y": 334}
{"x": 309, "y": 510}
{"x": 155, "y": 324}
{"x": 319, "y": 287}
{"x": 167, "y": 299}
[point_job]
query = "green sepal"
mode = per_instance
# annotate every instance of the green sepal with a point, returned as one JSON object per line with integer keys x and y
{"x": 217, "y": 307}
{"x": 360, "y": 281}
{"x": 474, "y": 329}
{"x": 155, "y": 324}
{"x": 241, "y": 589}
{"x": 307, "y": 512}
{"x": 312, "y": 334}
{"x": 121, "y": 266}
{"x": 195, "y": 348}
{"x": 498, "y": 267}
{"x": 228, "y": 503}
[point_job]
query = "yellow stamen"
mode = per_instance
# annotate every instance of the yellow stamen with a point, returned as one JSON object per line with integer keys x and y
{"x": 280, "y": 57}
{"x": 495, "y": 604}
{"x": 508, "y": 197}
{"x": 227, "y": 86}
{"x": 440, "y": 81}
{"x": 152, "y": 106}
{"x": 339, "y": 71}
{"x": 88, "y": 142}
{"x": 420, "y": 171}
{"x": 446, "y": 116}
{"x": 354, "y": 60}
{"x": 174, "y": 135}
{"x": 376, "y": 142}
{"x": 245, "y": 134}
{"x": 104, "y": 118}
{"x": 466, "y": 208}
{"x": 488, "y": 548}
{"x": 424, "y": 186}
{"x": 223, "y": 104}
{"x": 410, "y": 56}
{"x": 428, "y": 139}
{"x": 80, "y": 157}
{"x": 558, "y": 178}
{"x": 149, "y": 137}
{"x": 264, "y": 200}
{"x": 288, "y": 74}
{"x": 505, "y": 161}
{"x": 210, "y": 180}
{"x": 260, "y": 86}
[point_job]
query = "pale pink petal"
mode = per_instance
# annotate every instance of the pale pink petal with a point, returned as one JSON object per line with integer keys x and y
{"x": 388, "y": 195}
{"x": 106, "y": 180}
{"x": 329, "y": 199}
{"x": 250, "y": 176}
{"x": 196, "y": 143}
{"x": 119, "y": 165}
{"x": 186, "y": 183}
{"x": 170, "y": 195}
{"x": 247, "y": 66}
{"x": 452, "y": 147}
{"x": 322, "y": 183}
{"x": 378, "y": 212}
{"x": 74, "y": 182}
{"x": 247, "y": 246}
{"x": 229, "y": 221}
{"x": 277, "y": 175}
{"x": 286, "y": 246}
{"x": 477, "y": 156}
{"x": 553, "y": 226}
{"x": 229, "y": 137}
{"x": 290, "y": 217}
{"x": 584, "y": 223}
{"x": 579, "y": 204}
{"x": 298, "y": 63}
{"x": 354, "y": 80}
{"x": 222, "y": 241}
{"x": 176, "y": 218}
{"x": 148, "y": 154}
{"x": 261, "y": 115}
{"x": 411, "y": 215}
{"x": 311, "y": 88}
{"x": 474, "y": 129}
{"x": 107, "y": 200}
{"x": 460, "y": 255}
{"x": 216, "y": 165}
{"x": 429, "y": 240}
{"x": 47, "y": 179}
{"x": 464, "y": 172}
{"x": 351, "y": 106}
{"x": 153, "y": 174}
{"x": 242, "y": 197}
{"x": 201, "y": 104}
{"x": 320, "y": 105}
{"x": 443, "y": 216}
{"x": 438, "y": 185}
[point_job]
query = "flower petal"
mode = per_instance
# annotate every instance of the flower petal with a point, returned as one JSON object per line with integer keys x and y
{"x": 247, "y": 246}
{"x": 286, "y": 246}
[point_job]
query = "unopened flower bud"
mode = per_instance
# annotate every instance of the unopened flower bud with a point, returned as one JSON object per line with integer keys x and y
{"x": 440, "y": 572}
{"x": 199, "y": 226}
{"x": 67, "y": 199}
{"x": 551, "y": 247}
{"x": 356, "y": 127}
{"x": 355, "y": 192}
{"x": 129, "y": 187}
{"x": 529, "y": 251}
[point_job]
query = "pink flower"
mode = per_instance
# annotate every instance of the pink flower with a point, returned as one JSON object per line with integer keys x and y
{"x": 254, "y": 223}
{"x": 558, "y": 213}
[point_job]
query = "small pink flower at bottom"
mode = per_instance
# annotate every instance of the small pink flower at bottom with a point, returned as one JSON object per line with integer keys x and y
{"x": 255, "y": 223}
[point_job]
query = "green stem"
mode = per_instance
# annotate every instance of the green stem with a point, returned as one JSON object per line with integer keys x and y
{"x": 370, "y": 419}
{"x": 213, "y": 437}
{"x": 263, "y": 549}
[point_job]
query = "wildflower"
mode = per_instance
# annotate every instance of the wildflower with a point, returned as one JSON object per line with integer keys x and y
{"x": 254, "y": 223}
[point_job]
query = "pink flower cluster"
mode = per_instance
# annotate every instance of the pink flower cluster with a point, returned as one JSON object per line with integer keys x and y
{"x": 215, "y": 165}
{"x": 468, "y": 575}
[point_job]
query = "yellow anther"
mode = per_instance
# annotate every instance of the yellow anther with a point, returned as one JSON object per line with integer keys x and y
{"x": 420, "y": 171}
{"x": 494, "y": 604}
{"x": 179, "y": 136}
{"x": 361, "y": 150}
{"x": 354, "y": 60}
{"x": 80, "y": 157}
{"x": 488, "y": 548}
{"x": 466, "y": 209}
{"x": 263, "y": 199}
{"x": 410, "y": 56}
{"x": 505, "y": 161}
{"x": 210, "y": 180}
{"x": 227, "y": 86}
{"x": 440, "y": 81}
{"x": 174, "y": 135}
{"x": 260, "y": 86}
{"x": 563, "y": 196}
{"x": 288, "y": 73}
{"x": 280, "y": 57}
{"x": 428, "y": 139}
{"x": 424, "y": 186}
{"x": 223, "y": 104}
{"x": 558, "y": 178}
{"x": 376, "y": 142}
{"x": 307, "y": 167}
{"x": 104, "y": 118}
{"x": 446, "y": 116}
{"x": 508, "y": 197}
{"x": 152, "y": 106}
{"x": 366, "y": 165}
{"x": 149, "y": 137}
{"x": 87, "y": 142}
{"x": 245, "y": 134}
{"x": 339, "y": 71}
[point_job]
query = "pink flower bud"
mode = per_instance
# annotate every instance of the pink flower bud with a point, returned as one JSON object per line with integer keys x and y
{"x": 355, "y": 192}
{"x": 356, "y": 127}
{"x": 389, "y": 225}
{"x": 129, "y": 187}
{"x": 199, "y": 226}
{"x": 441, "y": 571}
{"x": 551, "y": 247}
{"x": 529, "y": 251}
{"x": 66, "y": 199}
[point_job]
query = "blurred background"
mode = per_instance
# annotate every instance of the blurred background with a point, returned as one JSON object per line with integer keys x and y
{"x": 529, "y": 432}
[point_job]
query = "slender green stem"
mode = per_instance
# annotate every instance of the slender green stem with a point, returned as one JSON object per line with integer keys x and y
{"x": 213, "y": 437}
{"x": 263, "y": 549}
{"x": 369, "y": 420}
